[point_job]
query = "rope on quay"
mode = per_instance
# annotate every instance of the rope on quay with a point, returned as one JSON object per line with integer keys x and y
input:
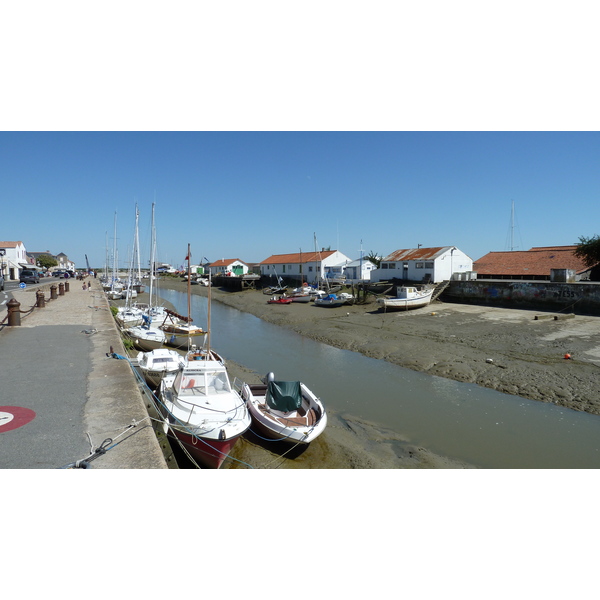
{"x": 105, "y": 446}
{"x": 157, "y": 402}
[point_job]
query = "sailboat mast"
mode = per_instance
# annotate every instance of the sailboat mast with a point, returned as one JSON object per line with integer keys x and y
{"x": 208, "y": 311}
{"x": 189, "y": 285}
{"x": 512, "y": 226}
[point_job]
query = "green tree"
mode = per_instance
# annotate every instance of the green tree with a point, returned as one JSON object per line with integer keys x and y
{"x": 46, "y": 261}
{"x": 588, "y": 250}
{"x": 374, "y": 258}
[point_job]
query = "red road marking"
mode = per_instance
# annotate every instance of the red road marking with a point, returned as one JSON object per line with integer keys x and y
{"x": 13, "y": 417}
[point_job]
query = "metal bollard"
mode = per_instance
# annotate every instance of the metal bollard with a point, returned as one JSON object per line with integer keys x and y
{"x": 61, "y": 289}
{"x": 14, "y": 312}
{"x": 53, "y": 295}
{"x": 40, "y": 301}
{"x": 66, "y": 286}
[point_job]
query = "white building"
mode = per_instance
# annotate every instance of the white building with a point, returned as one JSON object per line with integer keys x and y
{"x": 228, "y": 267}
{"x": 423, "y": 265}
{"x": 359, "y": 270}
{"x": 305, "y": 266}
{"x": 13, "y": 258}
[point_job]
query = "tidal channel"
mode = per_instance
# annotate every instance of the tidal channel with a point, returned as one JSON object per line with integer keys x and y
{"x": 485, "y": 428}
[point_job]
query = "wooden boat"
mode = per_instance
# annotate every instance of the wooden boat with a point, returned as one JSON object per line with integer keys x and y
{"x": 407, "y": 297}
{"x": 201, "y": 409}
{"x": 284, "y": 410}
{"x": 280, "y": 300}
{"x": 158, "y": 363}
{"x": 179, "y": 329}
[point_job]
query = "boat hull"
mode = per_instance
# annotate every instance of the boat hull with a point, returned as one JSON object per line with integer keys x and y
{"x": 207, "y": 453}
{"x": 277, "y": 426}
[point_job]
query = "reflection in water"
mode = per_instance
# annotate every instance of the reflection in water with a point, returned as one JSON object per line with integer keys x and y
{"x": 462, "y": 421}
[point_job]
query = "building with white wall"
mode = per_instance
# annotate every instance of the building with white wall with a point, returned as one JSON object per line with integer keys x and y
{"x": 228, "y": 267}
{"x": 428, "y": 265}
{"x": 305, "y": 266}
{"x": 13, "y": 258}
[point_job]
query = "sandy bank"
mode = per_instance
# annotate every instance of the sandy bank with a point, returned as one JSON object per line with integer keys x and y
{"x": 508, "y": 350}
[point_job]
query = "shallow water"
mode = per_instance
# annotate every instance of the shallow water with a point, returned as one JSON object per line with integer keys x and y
{"x": 458, "y": 420}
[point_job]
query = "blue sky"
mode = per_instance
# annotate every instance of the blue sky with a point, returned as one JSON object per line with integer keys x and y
{"x": 248, "y": 195}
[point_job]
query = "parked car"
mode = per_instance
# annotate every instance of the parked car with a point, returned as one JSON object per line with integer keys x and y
{"x": 29, "y": 276}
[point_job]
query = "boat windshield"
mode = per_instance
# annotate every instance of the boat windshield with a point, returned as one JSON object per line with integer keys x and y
{"x": 202, "y": 383}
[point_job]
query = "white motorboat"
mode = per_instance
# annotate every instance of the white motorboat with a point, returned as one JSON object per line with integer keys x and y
{"x": 201, "y": 409}
{"x": 158, "y": 363}
{"x": 284, "y": 410}
{"x": 407, "y": 297}
{"x": 129, "y": 316}
{"x": 146, "y": 337}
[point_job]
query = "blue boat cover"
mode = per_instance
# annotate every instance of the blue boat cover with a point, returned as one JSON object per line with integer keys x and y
{"x": 284, "y": 395}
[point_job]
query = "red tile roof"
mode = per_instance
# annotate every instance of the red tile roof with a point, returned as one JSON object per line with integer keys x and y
{"x": 225, "y": 262}
{"x": 297, "y": 258}
{"x": 537, "y": 261}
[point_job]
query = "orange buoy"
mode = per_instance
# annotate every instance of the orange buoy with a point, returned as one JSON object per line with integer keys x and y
{"x": 567, "y": 356}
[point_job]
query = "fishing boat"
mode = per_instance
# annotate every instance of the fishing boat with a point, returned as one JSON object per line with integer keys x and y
{"x": 284, "y": 410}
{"x": 201, "y": 409}
{"x": 158, "y": 363}
{"x": 407, "y": 297}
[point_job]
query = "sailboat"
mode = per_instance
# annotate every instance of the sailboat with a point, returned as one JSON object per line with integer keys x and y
{"x": 146, "y": 336}
{"x": 200, "y": 407}
{"x": 130, "y": 315}
{"x": 116, "y": 287}
{"x": 180, "y": 333}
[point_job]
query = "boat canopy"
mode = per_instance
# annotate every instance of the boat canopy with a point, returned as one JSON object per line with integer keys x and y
{"x": 284, "y": 395}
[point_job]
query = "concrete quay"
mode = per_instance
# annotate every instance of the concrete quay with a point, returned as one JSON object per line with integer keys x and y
{"x": 61, "y": 396}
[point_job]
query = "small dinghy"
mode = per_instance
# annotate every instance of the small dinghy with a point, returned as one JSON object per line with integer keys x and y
{"x": 284, "y": 410}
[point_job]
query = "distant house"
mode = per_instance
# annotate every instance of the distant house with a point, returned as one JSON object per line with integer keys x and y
{"x": 64, "y": 263}
{"x": 540, "y": 263}
{"x": 13, "y": 258}
{"x": 228, "y": 266}
{"x": 306, "y": 266}
{"x": 359, "y": 270}
{"x": 430, "y": 265}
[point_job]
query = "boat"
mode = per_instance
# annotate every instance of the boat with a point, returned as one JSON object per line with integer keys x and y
{"x": 179, "y": 329}
{"x": 302, "y": 294}
{"x": 279, "y": 300}
{"x": 158, "y": 363}
{"x": 284, "y": 410}
{"x": 129, "y": 316}
{"x": 146, "y": 337}
{"x": 407, "y": 297}
{"x": 334, "y": 300}
{"x": 305, "y": 298}
{"x": 201, "y": 409}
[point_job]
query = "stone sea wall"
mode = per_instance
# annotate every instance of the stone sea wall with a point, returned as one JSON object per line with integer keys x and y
{"x": 578, "y": 298}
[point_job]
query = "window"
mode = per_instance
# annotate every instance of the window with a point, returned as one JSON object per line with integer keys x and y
{"x": 429, "y": 265}
{"x": 392, "y": 266}
{"x": 384, "y": 265}
{"x": 419, "y": 265}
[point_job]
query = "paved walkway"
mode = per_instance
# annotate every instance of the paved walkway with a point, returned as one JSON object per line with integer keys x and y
{"x": 59, "y": 390}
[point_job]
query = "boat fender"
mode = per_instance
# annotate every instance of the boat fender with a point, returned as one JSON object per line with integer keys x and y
{"x": 270, "y": 377}
{"x": 222, "y": 435}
